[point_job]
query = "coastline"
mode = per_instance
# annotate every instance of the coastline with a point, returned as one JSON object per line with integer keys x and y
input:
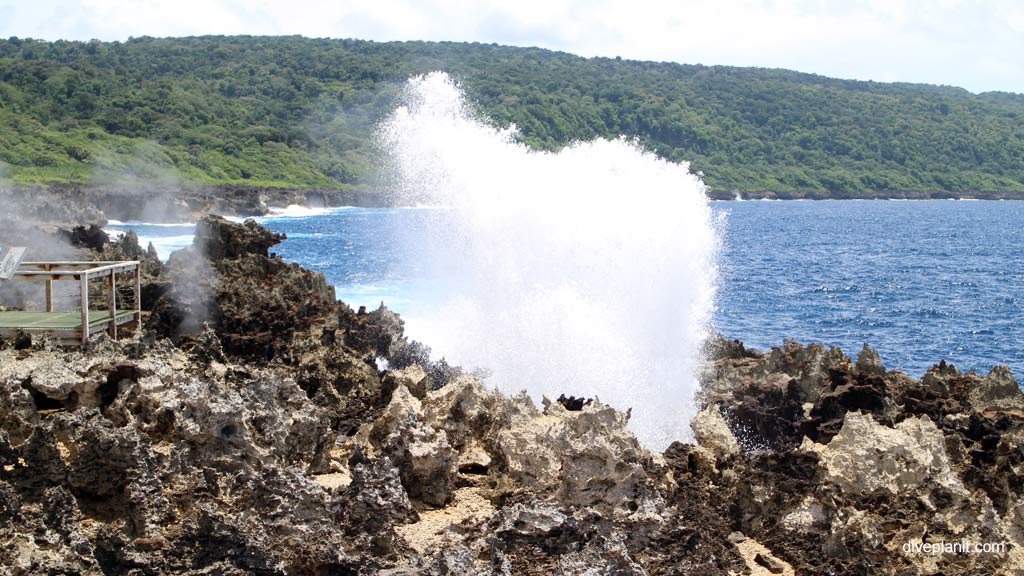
{"x": 75, "y": 204}
{"x": 739, "y": 195}
{"x": 259, "y": 426}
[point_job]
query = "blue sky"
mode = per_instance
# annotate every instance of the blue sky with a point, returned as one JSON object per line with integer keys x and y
{"x": 976, "y": 44}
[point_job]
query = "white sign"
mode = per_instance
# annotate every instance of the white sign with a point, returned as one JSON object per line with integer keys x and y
{"x": 10, "y": 263}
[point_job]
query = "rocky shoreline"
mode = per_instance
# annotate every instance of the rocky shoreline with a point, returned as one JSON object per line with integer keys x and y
{"x": 71, "y": 204}
{"x": 871, "y": 195}
{"x": 260, "y": 427}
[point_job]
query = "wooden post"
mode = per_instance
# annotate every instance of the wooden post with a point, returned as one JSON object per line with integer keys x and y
{"x": 49, "y": 295}
{"x": 138, "y": 297}
{"x": 84, "y": 286}
{"x": 112, "y": 304}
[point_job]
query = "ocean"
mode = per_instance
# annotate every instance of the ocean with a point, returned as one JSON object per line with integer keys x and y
{"x": 920, "y": 281}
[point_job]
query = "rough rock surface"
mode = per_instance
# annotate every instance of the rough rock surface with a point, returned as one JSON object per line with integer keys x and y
{"x": 146, "y": 201}
{"x": 254, "y": 301}
{"x": 711, "y": 431}
{"x": 883, "y": 461}
{"x": 866, "y": 456}
{"x": 314, "y": 439}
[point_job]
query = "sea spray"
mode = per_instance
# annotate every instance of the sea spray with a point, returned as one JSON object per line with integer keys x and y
{"x": 589, "y": 271}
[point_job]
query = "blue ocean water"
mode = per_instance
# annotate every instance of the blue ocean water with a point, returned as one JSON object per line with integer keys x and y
{"x": 919, "y": 280}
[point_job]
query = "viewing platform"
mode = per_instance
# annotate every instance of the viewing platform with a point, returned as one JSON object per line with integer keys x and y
{"x": 75, "y": 327}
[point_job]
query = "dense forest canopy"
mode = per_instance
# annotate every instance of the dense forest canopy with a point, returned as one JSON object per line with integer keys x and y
{"x": 293, "y": 111}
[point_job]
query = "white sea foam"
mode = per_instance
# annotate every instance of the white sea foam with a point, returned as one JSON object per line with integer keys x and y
{"x": 298, "y": 211}
{"x": 155, "y": 224}
{"x": 164, "y": 245}
{"x": 590, "y": 271}
{"x": 298, "y": 235}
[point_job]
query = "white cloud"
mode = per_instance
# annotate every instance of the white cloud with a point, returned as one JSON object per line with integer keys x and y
{"x": 978, "y": 44}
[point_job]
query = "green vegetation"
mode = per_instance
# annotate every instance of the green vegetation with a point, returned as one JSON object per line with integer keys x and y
{"x": 292, "y": 111}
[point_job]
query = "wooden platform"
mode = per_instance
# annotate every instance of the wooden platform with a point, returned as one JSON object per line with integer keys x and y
{"x": 59, "y": 320}
{"x": 78, "y": 325}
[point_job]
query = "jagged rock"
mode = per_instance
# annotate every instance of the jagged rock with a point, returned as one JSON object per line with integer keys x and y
{"x": 456, "y": 561}
{"x": 376, "y": 497}
{"x": 857, "y": 393}
{"x": 413, "y": 378}
{"x": 22, "y": 341}
{"x": 720, "y": 348}
{"x": 346, "y": 386}
{"x": 427, "y": 463}
{"x": 760, "y": 560}
{"x": 585, "y": 457}
{"x": 869, "y": 362}
{"x": 378, "y": 332}
{"x": 255, "y": 303}
{"x": 113, "y": 471}
{"x": 56, "y": 545}
{"x": 218, "y": 238}
{"x": 866, "y": 456}
{"x": 206, "y": 348}
{"x": 532, "y": 536}
{"x": 602, "y": 556}
{"x": 937, "y": 378}
{"x": 91, "y": 237}
{"x": 998, "y": 390}
{"x": 966, "y": 450}
{"x": 809, "y": 365}
{"x": 470, "y": 414}
{"x": 261, "y": 303}
{"x": 170, "y": 437}
{"x": 711, "y": 431}
{"x": 572, "y": 403}
{"x": 296, "y": 436}
{"x": 45, "y": 379}
{"x": 808, "y": 516}
{"x": 536, "y": 519}
{"x": 766, "y": 413}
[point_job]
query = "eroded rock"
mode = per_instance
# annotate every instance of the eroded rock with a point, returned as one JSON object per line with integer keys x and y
{"x": 293, "y": 435}
{"x": 712, "y": 432}
{"x": 866, "y": 456}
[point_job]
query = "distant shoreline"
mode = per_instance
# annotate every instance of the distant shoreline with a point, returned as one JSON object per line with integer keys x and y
{"x": 881, "y": 195}
{"x": 92, "y": 203}
{"x": 160, "y": 202}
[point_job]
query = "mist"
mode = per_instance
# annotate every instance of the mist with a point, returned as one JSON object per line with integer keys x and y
{"x": 589, "y": 271}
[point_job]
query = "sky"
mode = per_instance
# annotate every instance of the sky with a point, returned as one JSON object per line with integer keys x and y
{"x": 975, "y": 44}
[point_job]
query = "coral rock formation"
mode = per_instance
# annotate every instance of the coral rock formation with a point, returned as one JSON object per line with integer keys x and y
{"x": 288, "y": 434}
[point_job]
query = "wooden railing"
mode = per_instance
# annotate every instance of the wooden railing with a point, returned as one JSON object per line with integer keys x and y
{"x": 83, "y": 272}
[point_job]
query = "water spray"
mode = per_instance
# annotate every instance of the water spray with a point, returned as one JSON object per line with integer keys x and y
{"x": 589, "y": 271}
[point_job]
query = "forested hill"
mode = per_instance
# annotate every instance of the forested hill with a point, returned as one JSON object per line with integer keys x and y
{"x": 292, "y": 111}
